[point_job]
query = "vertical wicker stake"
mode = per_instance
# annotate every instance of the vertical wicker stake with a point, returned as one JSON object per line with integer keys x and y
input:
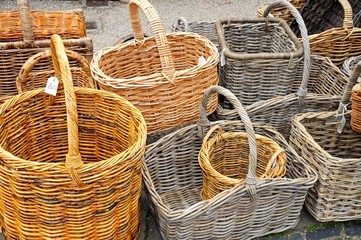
{"x": 62, "y": 72}
{"x": 25, "y": 21}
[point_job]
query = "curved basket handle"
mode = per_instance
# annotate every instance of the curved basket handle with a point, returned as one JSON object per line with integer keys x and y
{"x": 25, "y": 19}
{"x": 302, "y": 90}
{"x": 348, "y": 89}
{"x": 34, "y": 60}
{"x": 62, "y": 72}
{"x": 347, "y": 9}
{"x": 251, "y": 179}
{"x": 181, "y": 25}
{"x": 157, "y": 28}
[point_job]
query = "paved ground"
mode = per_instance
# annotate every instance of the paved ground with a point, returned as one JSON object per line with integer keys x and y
{"x": 112, "y": 23}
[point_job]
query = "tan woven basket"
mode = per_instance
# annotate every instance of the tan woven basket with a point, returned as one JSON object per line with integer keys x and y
{"x": 283, "y": 12}
{"x": 356, "y": 102}
{"x": 260, "y": 57}
{"x": 25, "y": 33}
{"x": 161, "y": 75}
{"x": 331, "y": 147}
{"x": 173, "y": 181}
{"x": 225, "y": 156}
{"x": 337, "y": 43}
{"x": 70, "y": 164}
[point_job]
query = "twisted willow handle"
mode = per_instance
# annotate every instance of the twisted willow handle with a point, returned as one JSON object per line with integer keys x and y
{"x": 157, "y": 28}
{"x": 348, "y": 89}
{"x": 302, "y": 90}
{"x": 28, "y": 35}
{"x": 251, "y": 180}
{"x": 62, "y": 72}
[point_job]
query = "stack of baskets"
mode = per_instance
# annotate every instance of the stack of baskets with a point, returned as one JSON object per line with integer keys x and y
{"x": 25, "y": 33}
{"x": 70, "y": 164}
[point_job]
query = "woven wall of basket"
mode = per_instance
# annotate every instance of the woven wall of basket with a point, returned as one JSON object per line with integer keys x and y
{"x": 70, "y": 164}
{"x": 330, "y": 146}
{"x": 258, "y": 57}
{"x": 283, "y": 12}
{"x": 334, "y": 28}
{"x": 163, "y": 75}
{"x": 173, "y": 179}
{"x": 25, "y": 33}
{"x": 356, "y": 102}
{"x": 225, "y": 157}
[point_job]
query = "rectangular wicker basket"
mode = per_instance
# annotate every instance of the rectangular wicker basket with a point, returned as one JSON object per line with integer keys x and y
{"x": 25, "y": 33}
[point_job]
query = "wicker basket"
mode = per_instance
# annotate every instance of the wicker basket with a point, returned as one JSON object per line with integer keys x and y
{"x": 29, "y": 78}
{"x": 207, "y": 29}
{"x": 173, "y": 180}
{"x": 356, "y": 102}
{"x": 161, "y": 75}
{"x": 260, "y": 57}
{"x": 283, "y": 12}
{"x": 336, "y": 41}
{"x": 70, "y": 167}
{"x": 25, "y": 33}
{"x": 325, "y": 86}
{"x": 335, "y": 156}
{"x": 225, "y": 156}
{"x": 349, "y": 65}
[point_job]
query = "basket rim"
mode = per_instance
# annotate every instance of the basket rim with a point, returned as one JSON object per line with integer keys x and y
{"x": 204, "y": 205}
{"x": 137, "y": 145}
{"x": 298, "y": 53}
{"x": 156, "y": 78}
{"x": 208, "y": 167}
{"x": 84, "y": 41}
{"x": 297, "y": 120}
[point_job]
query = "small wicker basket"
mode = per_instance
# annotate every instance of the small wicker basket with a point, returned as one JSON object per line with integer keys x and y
{"x": 225, "y": 156}
{"x": 356, "y": 102}
{"x": 283, "y": 12}
{"x": 70, "y": 165}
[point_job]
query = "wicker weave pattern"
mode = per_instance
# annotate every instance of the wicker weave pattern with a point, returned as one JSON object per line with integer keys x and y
{"x": 30, "y": 78}
{"x": 160, "y": 75}
{"x": 36, "y": 28}
{"x": 173, "y": 180}
{"x": 349, "y": 65}
{"x": 356, "y": 101}
{"x": 261, "y": 58}
{"x": 325, "y": 85}
{"x": 101, "y": 140}
{"x": 283, "y": 12}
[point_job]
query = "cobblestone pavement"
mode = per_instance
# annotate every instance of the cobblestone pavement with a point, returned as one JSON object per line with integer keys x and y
{"x": 112, "y": 22}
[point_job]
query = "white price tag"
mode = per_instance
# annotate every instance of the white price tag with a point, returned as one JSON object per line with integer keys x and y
{"x": 223, "y": 58}
{"x": 52, "y": 86}
{"x": 201, "y": 60}
{"x": 341, "y": 125}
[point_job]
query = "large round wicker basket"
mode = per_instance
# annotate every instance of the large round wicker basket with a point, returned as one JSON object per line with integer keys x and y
{"x": 70, "y": 164}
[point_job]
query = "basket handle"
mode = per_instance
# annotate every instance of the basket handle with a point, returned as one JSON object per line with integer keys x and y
{"x": 35, "y": 59}
{"x": 348, "y": 19}
{"x": 165, "y": 55}
{"x": 181, "y": 25}
{"x": 25, "y": 19}
{"x": 348, "y": 89}
{"x": 62, "y": 72}
{"x": 302, "y": 90}
{"x": 203, "y": 122}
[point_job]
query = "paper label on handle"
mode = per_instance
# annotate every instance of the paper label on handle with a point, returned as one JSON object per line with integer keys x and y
{"x": 201, "y": 60}
{"x": 52, "y": 86}
{"x": 341, "y": 125}
{"x": 223, "y": 58}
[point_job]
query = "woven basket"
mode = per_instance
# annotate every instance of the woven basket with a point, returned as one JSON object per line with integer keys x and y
{"x": 336, "y": 41}
{"x": 173, "y": 181}
{"x": 335, "y": 156}
{"x": 356, "y": 102}
{"x": 261, "y": 56}
{"x": 29, "y": 78}
{"x": 207, "y": 29}
{"x": 70, "y": 166}
{"x": 349, "y": 65}
{"x": 225, "y": 156}
{"x": 283, "y": 12}
{"x": 325, "y": 87}
{"x": 160, "y": 75}
{"x": 25, "y": 33}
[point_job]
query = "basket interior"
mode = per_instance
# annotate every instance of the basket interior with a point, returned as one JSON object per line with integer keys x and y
{"x": 229, "y": 156}
{"x": 136, "y": 61}
{"x": 261, "y": 37}
{"x": 324, "y": 132}
{"x": 36, "y": 130}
